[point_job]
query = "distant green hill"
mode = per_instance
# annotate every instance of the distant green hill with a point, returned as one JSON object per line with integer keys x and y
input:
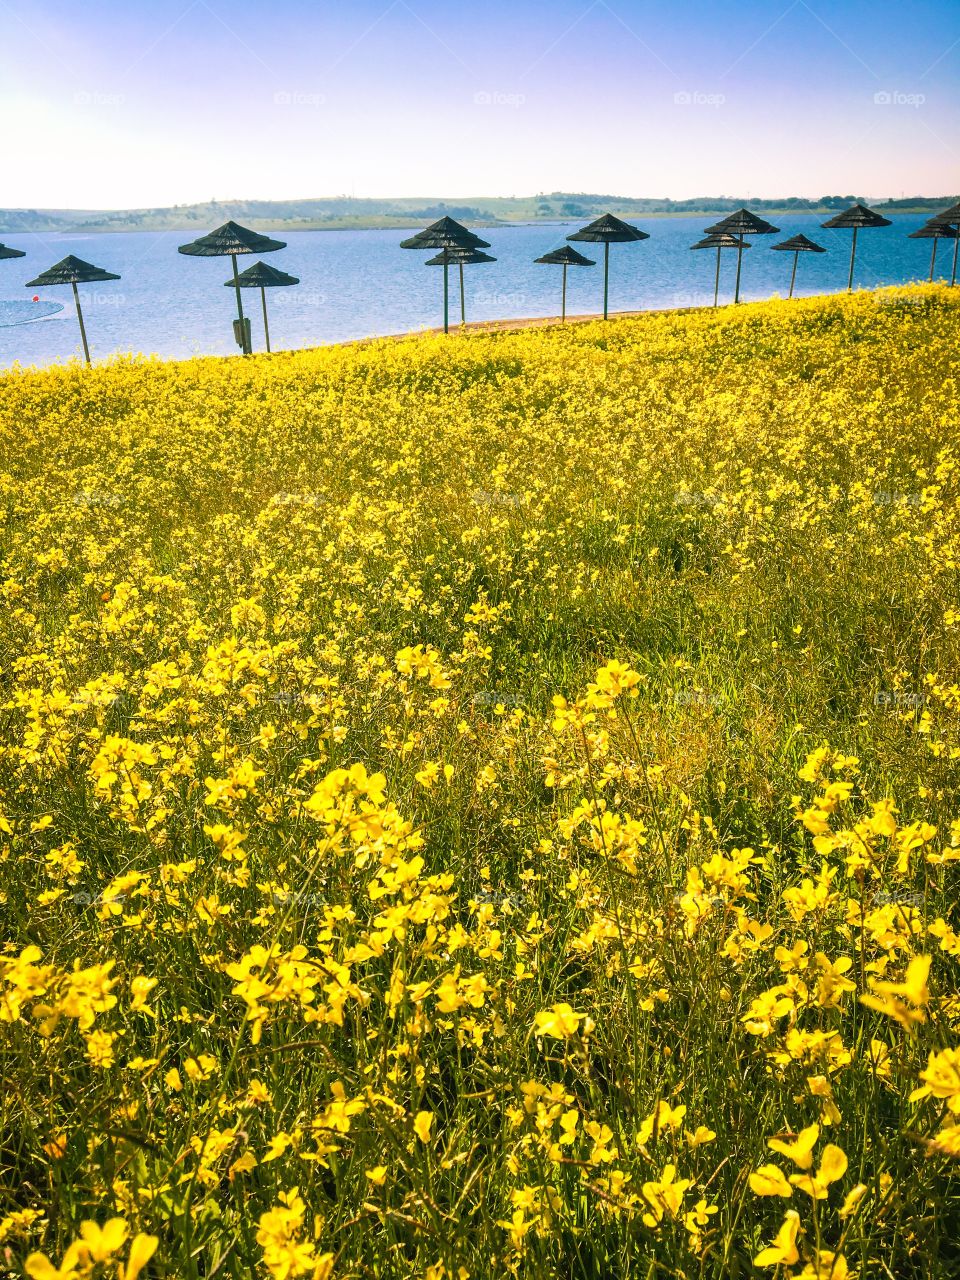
{"x": 348, "y": 211}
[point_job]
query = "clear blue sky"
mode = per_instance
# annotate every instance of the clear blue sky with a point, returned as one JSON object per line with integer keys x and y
{"x": 119, "y": 103}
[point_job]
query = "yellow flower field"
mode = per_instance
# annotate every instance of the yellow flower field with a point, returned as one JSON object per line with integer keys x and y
{"x": 487, "y": 806}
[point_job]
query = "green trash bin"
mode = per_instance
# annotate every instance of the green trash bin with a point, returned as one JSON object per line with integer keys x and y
{"x": 241, "y": 335}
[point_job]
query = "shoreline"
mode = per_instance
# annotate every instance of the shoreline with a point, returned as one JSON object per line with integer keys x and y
{"x": 516, "y": 324}
{"x": 520, "y": 323}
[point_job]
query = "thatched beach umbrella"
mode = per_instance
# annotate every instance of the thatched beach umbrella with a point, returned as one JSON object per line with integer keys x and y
{"x": 608, "y": 230}
{"x": 7, "y": 252}
{"x": 935, "y": 231}
{"x": 720, "y": 240}
{"x": 445, "y": 233}
{"x": 459, "y": 258}
{"x": 233, "y": 239}
{"x": 740, "y": 224}
{"x": 565, "y": 257}
{"x": 262, "y": 277}
{"x": 73, "y": 271}
{"x": 857, "y": 216}
{"x": 950, "y": 218}
{"x": 797, "y": 245}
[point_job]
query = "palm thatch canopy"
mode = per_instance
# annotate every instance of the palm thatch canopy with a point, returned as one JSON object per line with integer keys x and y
{"x": 459, "y": 258}
{"x": 609, "y": 230}
{"x": 71, "y": 270}
{"x": 743, "y": 223}
{"x": 230, "y": 238}
{"x": 951, "y": 215}
{"x": 566, "y": 257}
{"x": 258, "y": 276}
{"x": 448, "y": 235}
{"x": 7, "y": 252}
{"x": 74, "y": 271}
{"x": 937, "y": 229}
{"x": 233, "y": 239}
{"x": 723, "y": 240}
{"x": 858, "y": 215}
{"x": 720, "y": 240}
{"x": 853, "y": 219}
{"x": 445, "y": 233}
{"x": 934, "y": 230}
{"x": 799, "y": 244}
{"x": 949, "y": 218}
{"x": 261, "y": 276}
{"x": 739, "y": 224}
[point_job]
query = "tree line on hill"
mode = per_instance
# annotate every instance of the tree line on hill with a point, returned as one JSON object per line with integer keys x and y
{"x": 355, "y": 211}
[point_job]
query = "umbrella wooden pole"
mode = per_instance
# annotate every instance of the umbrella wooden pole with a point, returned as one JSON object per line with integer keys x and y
{"x": 83, "y": 332}
{"x": 716, "y": 281}
{"x": 236, "y": 285}
{"x": 793, "y": 274}
{"x": 933, "y": 258}
{"x": 563, "y": 295}
{"x": 606, "y": 276}
{"x": 266, "y": 327}
{"x": 446, "y": 296}
{"x": 736, "y": 292}
{"x": 953, "y": 273}
{"x": 853, "y": 253}
{"x": 463, "y": 304}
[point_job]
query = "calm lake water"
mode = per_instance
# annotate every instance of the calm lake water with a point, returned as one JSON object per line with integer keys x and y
{"x": 357, "y": 284}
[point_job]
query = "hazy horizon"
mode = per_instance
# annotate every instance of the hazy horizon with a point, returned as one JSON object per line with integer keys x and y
{"x": 877, "y": 197}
